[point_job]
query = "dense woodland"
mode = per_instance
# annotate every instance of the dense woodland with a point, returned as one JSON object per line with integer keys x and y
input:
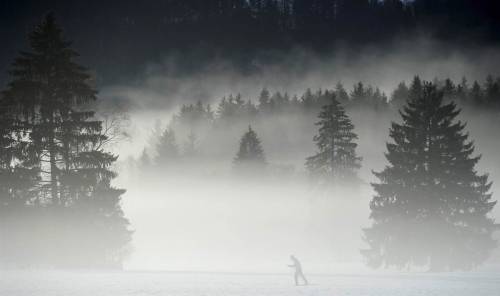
{"x": 431, "y": 206}
{"x": 181, "y": 139}
{"x": 261, "y": 22}
{"x": 59, "y": 207}
{"x": 118, "y": 39}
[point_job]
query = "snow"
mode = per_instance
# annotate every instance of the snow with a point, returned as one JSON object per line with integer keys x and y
{"x": 54, "y": 283}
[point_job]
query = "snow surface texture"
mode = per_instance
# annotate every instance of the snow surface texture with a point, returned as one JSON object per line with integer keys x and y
{"x": 219, "y": 284}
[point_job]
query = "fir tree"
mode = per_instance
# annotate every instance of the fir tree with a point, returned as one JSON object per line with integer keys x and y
{"x": 250, "y": 156}
{"x": 462, "y": 91}
{"x": 399, "y": 96}
{"x": 48, "y": 85}
{"x": 341, "y": 94}
{"x": 336, "y": 157}
{"x": 378, "y": 100}
{"x": 251, "y": 111}
{"x": 167, "y": 150}
{"x": 358, "y": 94}
{"x": 265, "y": 105}
{"x": 416, "y": 88}
{"x": 477, "y": 94}
{"x": 66, "y": 144}
{"x": 307, "y": 100}
{"x": 492, "y": 91}
{"x": 431, "y": 206}
{"x": 191, "y": 145}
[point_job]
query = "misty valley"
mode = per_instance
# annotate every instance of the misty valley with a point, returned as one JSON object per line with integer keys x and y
{"x": 343, "y": 169}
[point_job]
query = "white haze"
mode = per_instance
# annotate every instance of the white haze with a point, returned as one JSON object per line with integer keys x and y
{"x": 206, "y": 220}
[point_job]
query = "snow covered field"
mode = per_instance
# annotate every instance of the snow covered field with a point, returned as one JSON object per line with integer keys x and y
{"x": 217, "y": 284}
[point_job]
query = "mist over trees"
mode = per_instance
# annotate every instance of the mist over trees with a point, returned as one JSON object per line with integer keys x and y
{"x": 196, "y": 123}
{"x": 431, "y": 209}
{"x": 336, "y": 159}
{"x": 250, "y": 156}
{"x": 167, "y": 150}
{"x": 59, "y": 208}
{"x": 58, "y": 204}
{"x": 120, "y": 37}
{"x": 431, "y": 206}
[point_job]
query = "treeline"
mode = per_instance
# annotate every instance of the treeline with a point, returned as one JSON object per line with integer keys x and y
{"x": 119, "y": 37}
{"x": 269, "y": 23}
{"x": 58, "y": 207}
{"x": 431, "y": 206}
{"x": 358, "y": 21}
{"x": 485, "y": 95}
{"x": 193, "y": 122}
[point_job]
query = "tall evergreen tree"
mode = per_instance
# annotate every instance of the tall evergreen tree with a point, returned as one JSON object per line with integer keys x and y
{"x": 66, "y": 144}
{"x": 250, "y": 156}
{"x": 336, "y": 158}
{"x": 431, "y": 206}
{"x": 48, "y": 84}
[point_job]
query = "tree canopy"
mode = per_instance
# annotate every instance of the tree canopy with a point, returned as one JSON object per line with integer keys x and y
{"x": 431, "y": 206}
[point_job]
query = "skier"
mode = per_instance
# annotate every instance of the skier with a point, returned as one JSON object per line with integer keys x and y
{"x": 298, "y": 271}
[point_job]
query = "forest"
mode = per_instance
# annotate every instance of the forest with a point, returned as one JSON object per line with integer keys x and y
{"x": 61, "y": 209}
{"x": 120, "y": 39}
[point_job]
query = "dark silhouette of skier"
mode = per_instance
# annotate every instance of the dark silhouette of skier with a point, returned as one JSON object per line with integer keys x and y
{"x": 298, "y": 271}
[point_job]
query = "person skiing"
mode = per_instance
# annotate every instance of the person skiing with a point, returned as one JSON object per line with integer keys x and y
{"x": 298, "y": 270}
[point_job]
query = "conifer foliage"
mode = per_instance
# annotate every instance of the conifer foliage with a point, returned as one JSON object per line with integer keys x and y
{"x": 250, "y": 155}
{"x": 167, "y": 149}
{"x": 431, "y": 206}
{"x": 51, "y": 131}
{"x": 336, "y": 157}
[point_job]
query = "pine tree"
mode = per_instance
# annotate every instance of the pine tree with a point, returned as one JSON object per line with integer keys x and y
{"x": 463, "y": 91}
{"x": 307, "y": 100}
{"x": 336, "y": 158}
{"x": 264, "y": 101}
{"x": 359, "y": 94}
{"x": 378, "y": 100}
{"x": 399, "y": 96}
{"x": 48, "y": 84}
{"x": 251, "y": 111}
{"x": 191, "y": 145}
{"x": 416, "y": 88}
{"x": 477, "y": 94}
{"x": 431, "y": 206}
{"x": 250, "y": 156}
{"x": 341, "y": 94}
{"x": 66, "y": 144}
{"x": 492, "y": 91}
{"x": 167, "y": 149}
